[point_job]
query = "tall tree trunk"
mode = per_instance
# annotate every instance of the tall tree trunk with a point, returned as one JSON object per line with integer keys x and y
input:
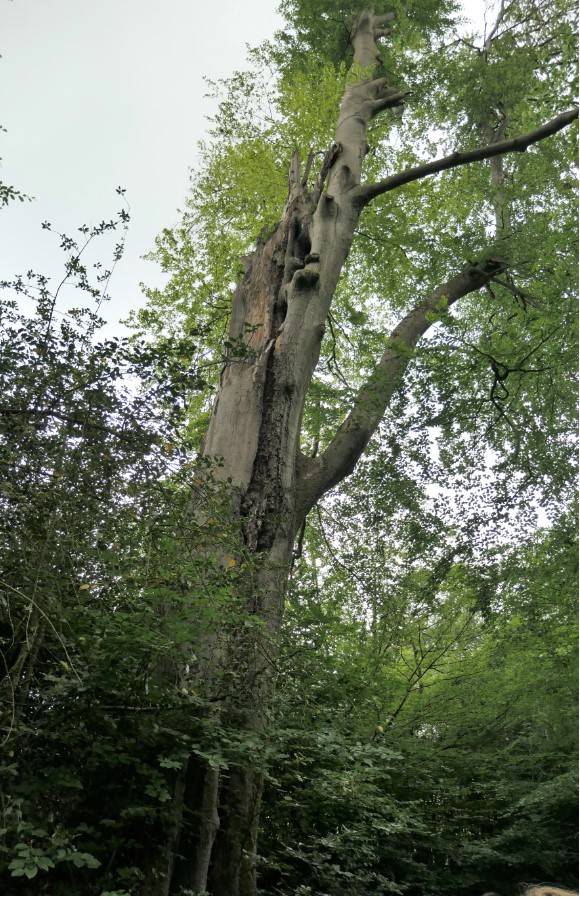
{"x": 278, "y": 319}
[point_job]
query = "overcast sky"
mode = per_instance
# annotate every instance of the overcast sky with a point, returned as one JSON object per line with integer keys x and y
{"x": 100, "y": 93}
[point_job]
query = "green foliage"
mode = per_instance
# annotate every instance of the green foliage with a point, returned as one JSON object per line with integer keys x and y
{"x": 406, "y": 245}
{"x": 108, "y": 582}
{"x": 8, "y": 193}
{"x": 323, "y": 27}
{"x": 425, "y": 730}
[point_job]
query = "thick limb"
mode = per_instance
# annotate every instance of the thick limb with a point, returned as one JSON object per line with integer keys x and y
{"x": 338, "y": 461}
{"x": 368, "y": 192}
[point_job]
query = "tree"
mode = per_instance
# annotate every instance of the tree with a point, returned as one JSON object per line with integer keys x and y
{"x": 359, "y": 324}
{"x": 488, "y": 101}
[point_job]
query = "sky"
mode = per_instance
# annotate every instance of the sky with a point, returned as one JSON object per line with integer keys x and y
{"x": 96, "y": 94}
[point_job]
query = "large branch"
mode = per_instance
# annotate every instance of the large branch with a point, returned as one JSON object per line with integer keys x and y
{"x": 368, "y": 192}
{"x": 320, "y": 474}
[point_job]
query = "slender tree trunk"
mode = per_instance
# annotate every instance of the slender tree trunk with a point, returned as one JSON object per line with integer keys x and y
{"x": 233, "y": 869}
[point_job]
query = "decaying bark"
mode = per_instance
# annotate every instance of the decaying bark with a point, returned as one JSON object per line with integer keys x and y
{"x": 278, "y": 320}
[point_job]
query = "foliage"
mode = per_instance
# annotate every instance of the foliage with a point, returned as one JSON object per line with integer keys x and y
{"x": 8, "y": 193}
{"x": 525, "y": 327}
{"x": 425, "y": 728}
{"x": 107, "y": 580}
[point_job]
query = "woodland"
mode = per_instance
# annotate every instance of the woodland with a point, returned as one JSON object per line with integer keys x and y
{"x": 288, "y": 576}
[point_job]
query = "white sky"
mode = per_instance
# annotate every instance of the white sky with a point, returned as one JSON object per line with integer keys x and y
{"x": 100, "y": 93}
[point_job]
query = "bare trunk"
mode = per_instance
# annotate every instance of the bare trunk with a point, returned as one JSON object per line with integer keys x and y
{"x": 254, "y": 436}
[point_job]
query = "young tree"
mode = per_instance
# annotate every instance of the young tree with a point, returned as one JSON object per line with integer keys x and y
{"x": 96, "y": 549}
{"x": 352, "y": 207}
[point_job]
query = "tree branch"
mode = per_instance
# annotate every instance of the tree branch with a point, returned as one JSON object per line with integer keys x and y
{"x": 338, "y": 461}
{"x": 500, "y": 17}
{"x": 368, "y": 192}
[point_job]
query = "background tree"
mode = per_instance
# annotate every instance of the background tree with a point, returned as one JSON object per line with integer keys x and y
{"x": 422, "y": 748}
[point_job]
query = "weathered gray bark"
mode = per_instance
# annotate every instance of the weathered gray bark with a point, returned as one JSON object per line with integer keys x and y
{"x": 278, "y": 316}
